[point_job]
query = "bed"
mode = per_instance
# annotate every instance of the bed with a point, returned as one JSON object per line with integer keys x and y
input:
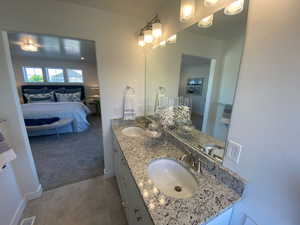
{"x": 77, "y": 111}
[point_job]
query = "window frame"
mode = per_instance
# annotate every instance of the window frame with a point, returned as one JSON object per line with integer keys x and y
{"x": 25, "y": 75}
{"x": 55, "y": 68}
{"x": 74, "y": 68}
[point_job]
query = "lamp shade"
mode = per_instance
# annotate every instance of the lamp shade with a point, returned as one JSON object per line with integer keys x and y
{"x": 234, "y": 8}
{"x": 172, "y": 39}
{"x": 156, "y": 30}
{"x": 163, "y": 43}
{"x": 141, "y": 41}
{"x": 148, "y": 38}
{"x": 206, "y": 22}
{"x": 187, "y": 10}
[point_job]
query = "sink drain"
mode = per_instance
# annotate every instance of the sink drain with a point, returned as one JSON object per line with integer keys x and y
{"x": 178, "y": 188}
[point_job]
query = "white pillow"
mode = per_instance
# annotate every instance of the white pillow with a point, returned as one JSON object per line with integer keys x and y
{"x": 68, "y": 97}
{"x": 30, "y": 97}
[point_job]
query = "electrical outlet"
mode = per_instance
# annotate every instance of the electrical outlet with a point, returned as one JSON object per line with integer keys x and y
{"x": 234, "y": 151}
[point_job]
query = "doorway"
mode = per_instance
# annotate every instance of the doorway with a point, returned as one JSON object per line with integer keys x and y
{"x": 57, "y": 82}
{"x": 195, "y": 77}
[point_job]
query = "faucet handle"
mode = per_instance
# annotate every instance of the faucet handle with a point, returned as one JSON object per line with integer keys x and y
{"x": 183, "y": 157}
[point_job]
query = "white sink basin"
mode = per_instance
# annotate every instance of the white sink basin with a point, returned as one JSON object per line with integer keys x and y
{"x": 172, "y": 178}
{"x": 133, "y": 131}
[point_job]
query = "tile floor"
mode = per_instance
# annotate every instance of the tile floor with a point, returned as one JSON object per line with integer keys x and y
{"x": 91, "y": 202}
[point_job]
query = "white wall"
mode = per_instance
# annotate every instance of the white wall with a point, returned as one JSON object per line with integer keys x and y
{"x": 266, "y": 115}
{"x": 25, "y": 181}
{"x": 230, "y": 75}
{"x": 120, "y": 63}
{"x": 89, "y": 70}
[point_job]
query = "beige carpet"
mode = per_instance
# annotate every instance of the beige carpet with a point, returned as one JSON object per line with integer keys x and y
{"x": 92, "y": 202}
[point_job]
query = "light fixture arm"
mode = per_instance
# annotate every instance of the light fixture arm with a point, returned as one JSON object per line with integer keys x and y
{"x": 148, "y": 26}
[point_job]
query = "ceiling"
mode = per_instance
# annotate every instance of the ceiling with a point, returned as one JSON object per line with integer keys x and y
{"x": 137, "y": 8}
{"x": 190, "y": 60}
{"x": 224, "y": 27}
{"x": 54, "y": 47}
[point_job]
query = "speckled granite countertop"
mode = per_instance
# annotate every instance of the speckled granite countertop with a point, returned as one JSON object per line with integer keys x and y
{"x": 210, "y": 200}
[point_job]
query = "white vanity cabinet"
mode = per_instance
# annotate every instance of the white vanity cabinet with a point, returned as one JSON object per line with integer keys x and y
{"x": 132, "y": 201}
{"x": 223, "y": 219}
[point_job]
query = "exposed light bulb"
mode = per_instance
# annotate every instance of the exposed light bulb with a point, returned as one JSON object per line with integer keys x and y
{"x": 156, "y": 30}
{"x": 148, "y": 38}
{"x": 141, "y": 41}
{"x": 234, "y": 8}
{"x": 206, "y": 22}
{"x": 141, "y": 184}
{"x": 187, "y": 10}
{"x": 172, "y": 39}
{"x": 210, "y": 3}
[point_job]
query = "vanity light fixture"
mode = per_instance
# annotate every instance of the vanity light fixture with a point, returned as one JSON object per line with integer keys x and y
{"x": 187, "y": 10}
{"x": 155, "y": 46}
{"x": 156, "y": 30}
{"x": 172, "y": 39}
{"x": 141, "y": 41}
{"x": 206, "y": 22}
{"x": 150, "y": 32}
{"x": 148, "y": 38}
{"x": 210, "y": 3}
{"x": 234, "y": 8}
{"x": 163, "y": 43}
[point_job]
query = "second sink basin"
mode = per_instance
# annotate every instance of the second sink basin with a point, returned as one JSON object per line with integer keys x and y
{"x": 133, "y": 131}
{"x": 172, "y": 178}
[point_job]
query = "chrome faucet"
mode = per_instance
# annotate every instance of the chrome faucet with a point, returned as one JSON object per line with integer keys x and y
{"x": 196, "y": 164}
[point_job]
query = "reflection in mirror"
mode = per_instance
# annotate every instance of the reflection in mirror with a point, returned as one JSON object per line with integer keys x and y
{"x": 190, "y": 84}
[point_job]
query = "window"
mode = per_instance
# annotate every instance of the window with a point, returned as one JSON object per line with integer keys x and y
{"x": 75, "y": 76}
{"x": 55, "y": 75}
{"x": 33, "y": 74}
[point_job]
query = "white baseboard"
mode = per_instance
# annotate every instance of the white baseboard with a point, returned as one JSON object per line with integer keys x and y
{"x": 18, "y": 214}
{"x": 33, "y": 195}
{"x": 108, "y": 173}
{"x": 27, "y": 197}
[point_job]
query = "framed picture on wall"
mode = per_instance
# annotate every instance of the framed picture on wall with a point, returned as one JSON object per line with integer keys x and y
{"x": 194, "y": 86}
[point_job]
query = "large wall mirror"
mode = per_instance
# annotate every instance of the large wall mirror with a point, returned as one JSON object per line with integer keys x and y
{"x": 191, "y": 83}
